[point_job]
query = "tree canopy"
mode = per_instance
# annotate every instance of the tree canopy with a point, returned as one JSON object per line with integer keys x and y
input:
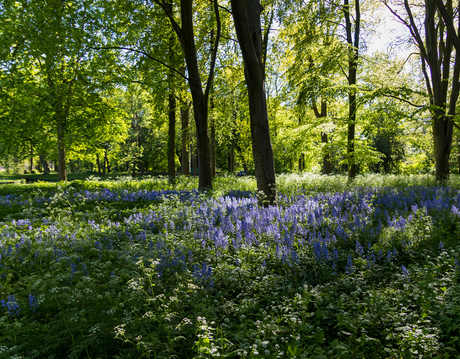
{"x": 271, "y": 86}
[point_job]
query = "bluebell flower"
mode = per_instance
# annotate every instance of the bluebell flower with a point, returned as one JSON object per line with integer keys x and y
{"x": 11, "y": 305}
{"x": 359, "y": 248}
{"x": 204, "y": 275}
{"x": 405, "y": 274}
{"x": 349, "y": 267}
{"x": 441, "y": 246}
{"x": 32, "y": 303}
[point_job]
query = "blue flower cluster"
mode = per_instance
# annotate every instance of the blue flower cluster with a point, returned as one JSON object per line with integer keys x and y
{"x": 11, "y": 305}
{"x": 174, "y": 261}
{"x": 325, "y": 226}
{"x": 203, "y": 275}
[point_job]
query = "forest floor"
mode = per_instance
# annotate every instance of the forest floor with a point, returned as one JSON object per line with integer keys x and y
{"x": 141, "y": 268}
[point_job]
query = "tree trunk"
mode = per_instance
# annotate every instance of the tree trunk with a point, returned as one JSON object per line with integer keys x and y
{"x": 184, "y": 114}
{"x": 353, "y": 47}
{"x": 103, "y": 164}
{"x": 200, "y": 99}
{"x": 212, "y": 120}
{"x": 172, "y": 136}
{"x": 172, "y": 118}
{"x": 31, "y": 158}
{"x": 194, "y": 165}
{"x": 302, "y": 162}
{"x": 326, "y": 156}
{"x": 233, "y": 143}
{"x": 213, "y": 137}
{"x": 231, "y": 165}
{"x": 98, "y": 165}
{"x": 106, "y": 159}
{"x": 246, "y": 15}
{"x": 46, "y": 168}
{"x": 62, "y": 172}
{"x": 326, "y": 159}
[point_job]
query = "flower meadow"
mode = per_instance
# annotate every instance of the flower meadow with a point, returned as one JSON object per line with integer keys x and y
{"x": 148, "y": 269}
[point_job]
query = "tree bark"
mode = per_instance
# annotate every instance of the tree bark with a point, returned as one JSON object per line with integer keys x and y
{"x": 31, "y": 158}
{"x": 172, "y": 118}
{"x": 231, "y": 163}
{"x": 184, "y": 114}
{"x": 46, "y": 168}
{"x": 200, "y": 99}
{"x": 172, "y": 137}
{"x": 353, "y": 53}
{"x": 106, "y": 159}
{"x": 324, "y": 139}
{"x": 194, "y": 163}
{"x": 103, "y": 164}
{"x": 436, "y": 52}
{"x": 246, "y": 15}
{"x": 213, "y": 136}
{"x": 185, "y": 34}
{"x": 98, "y": 162}
{"x": 62, "y": 172}
{"x": 212, "y": 119}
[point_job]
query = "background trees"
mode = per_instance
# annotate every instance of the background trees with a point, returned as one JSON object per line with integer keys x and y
{"x": 115, "y": 83}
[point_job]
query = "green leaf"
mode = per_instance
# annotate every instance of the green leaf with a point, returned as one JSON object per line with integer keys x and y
{"x": 319, "y": 336}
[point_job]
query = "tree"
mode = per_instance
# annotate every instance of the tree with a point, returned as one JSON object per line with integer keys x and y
{"x": 186, "y": 35}
{"x": 246, "y": 15}
{"x": 353, "y": 53}
{"x": 441, "y": 69}
{"x": 50, "y": 48}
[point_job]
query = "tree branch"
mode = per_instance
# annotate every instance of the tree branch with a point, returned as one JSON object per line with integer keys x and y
{"x": 214, "y": 52}
{"x": 448, "y": 21}
{"x": 167, "y": 8}
{"x": 146, "y": 54}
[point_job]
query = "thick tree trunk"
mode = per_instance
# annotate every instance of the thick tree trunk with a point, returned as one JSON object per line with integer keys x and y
{"x": 184, "y": 114}
{"x": 442, "y": 136}
{"x": 246, "y": 15}
{"x": 200, "y": 99}
{"x": 204, "y": 156}
{"x": 62, "y": 172}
